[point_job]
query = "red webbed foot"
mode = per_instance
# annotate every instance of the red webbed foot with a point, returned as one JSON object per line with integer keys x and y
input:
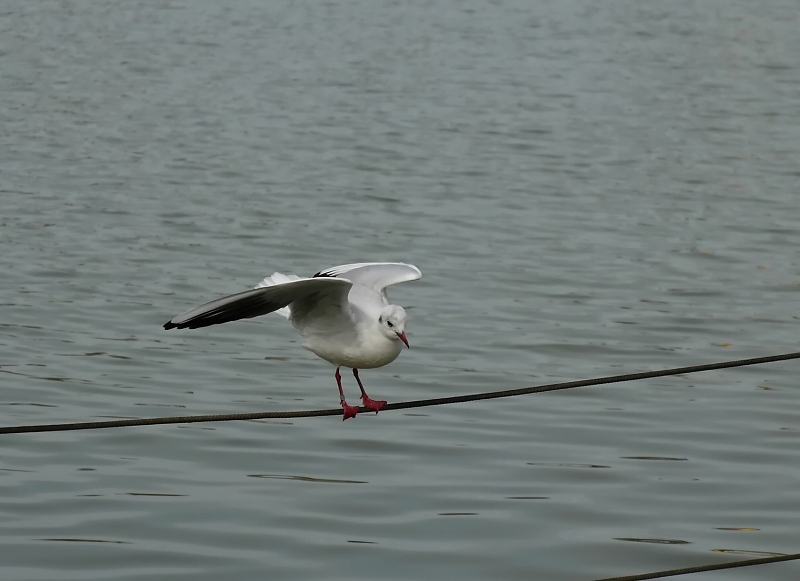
{"x": 373, "y": 404}
{"x": 350, "y": 411}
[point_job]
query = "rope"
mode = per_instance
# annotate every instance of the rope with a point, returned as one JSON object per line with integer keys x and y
{"x": 399, "y": 405}
{"x": 704, "y": 568}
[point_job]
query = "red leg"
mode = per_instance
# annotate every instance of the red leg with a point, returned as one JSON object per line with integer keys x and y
{"x": 350, "y": 411}
{"x": 372, "y": 404}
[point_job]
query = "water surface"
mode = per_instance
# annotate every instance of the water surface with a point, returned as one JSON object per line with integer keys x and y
{"x": 589, "y": 189}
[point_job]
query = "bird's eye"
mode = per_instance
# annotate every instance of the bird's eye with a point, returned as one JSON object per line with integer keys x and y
{"x": 389, "y": 323}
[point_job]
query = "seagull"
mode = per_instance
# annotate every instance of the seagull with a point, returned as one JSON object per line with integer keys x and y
{"x": 342, "y": 313}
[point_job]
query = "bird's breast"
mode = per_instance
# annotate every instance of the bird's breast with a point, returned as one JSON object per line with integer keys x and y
{"x": 367, "y": 353}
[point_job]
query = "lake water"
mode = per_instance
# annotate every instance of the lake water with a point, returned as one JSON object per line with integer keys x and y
{"x": 588, "y": 188}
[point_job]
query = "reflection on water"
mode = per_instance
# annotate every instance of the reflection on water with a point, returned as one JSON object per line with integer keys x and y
{"x": 665, "y": 458}
{"x": 307, "y": 479}
{"x": 86, "y": 541}
{"x": 567, "y": 464}
{"x": 742, "y": 529}
{"x": 656, "y": 541}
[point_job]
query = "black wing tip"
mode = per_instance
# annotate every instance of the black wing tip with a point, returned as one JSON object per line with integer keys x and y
{"x": 324, "y": 274}
{"x": 170, "y": 325}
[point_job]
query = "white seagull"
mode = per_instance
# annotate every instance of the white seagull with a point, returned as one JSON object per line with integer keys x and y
{"x": 342, "y": 313}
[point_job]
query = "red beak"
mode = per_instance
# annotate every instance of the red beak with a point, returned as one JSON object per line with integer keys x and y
{"x": 402, "y": 337}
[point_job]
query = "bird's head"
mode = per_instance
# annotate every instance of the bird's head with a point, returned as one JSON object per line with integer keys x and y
{"x": 392, "y": 323}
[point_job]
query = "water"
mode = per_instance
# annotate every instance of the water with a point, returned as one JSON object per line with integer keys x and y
{"x": 589, "y": 189}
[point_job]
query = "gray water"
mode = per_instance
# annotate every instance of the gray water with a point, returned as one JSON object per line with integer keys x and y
{"x": 588, "y": 188}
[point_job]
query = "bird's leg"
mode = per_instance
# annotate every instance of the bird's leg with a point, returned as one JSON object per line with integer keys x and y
{"x": 350, "y": 411}
{"x": 375, "y": 405}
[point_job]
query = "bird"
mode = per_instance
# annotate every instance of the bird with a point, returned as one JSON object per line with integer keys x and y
{"x": 342, "y": 313}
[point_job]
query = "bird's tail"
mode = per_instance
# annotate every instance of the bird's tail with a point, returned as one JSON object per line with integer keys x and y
{"x": 278, "y": 278}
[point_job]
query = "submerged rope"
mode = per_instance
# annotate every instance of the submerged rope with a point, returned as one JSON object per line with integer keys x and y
{"x": 399, "y": 405}
{"x": 704, "y": 568}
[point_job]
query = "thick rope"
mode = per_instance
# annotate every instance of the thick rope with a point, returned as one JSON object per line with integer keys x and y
{"x": 704, "y": 568}
{"x": 399, "y": 405}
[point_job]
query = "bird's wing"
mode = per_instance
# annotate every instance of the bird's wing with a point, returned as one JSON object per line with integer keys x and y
{"x": 306, "y": 294}
{"x": 375, "y": 276}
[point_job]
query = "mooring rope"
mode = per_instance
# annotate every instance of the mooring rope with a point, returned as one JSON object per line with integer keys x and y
{"x": 399, "y": 405}
{"x": 704, "y": 568}
{"x": 449, "y": 400}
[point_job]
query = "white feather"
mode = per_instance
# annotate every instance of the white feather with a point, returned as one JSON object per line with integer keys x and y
{"x": 375, "y": 276}
{"x": 278, "y": 278}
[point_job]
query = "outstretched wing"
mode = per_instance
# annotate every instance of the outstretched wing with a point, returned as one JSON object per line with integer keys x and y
{"x": 311, "y": 293}
{"x": 374, "y": 275}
